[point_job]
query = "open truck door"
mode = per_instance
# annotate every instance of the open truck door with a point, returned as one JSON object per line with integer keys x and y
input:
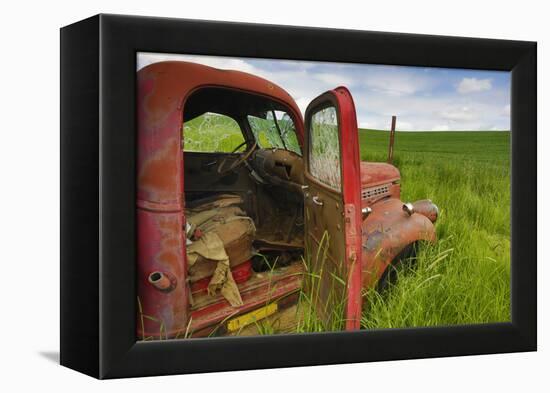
{"x": 333, "y": 208}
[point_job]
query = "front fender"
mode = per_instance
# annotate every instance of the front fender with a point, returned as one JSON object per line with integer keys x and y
{"x": 385, "y": 233}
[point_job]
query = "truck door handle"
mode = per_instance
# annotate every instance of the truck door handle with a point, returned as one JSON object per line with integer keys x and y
{"x": 317, "y": 201}
{"x": 206, "y": 165}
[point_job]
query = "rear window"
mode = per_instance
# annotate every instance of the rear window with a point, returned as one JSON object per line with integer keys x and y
{"x": 211, "y": 132}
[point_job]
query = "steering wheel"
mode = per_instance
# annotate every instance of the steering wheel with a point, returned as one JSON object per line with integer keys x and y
{"x": 239, "y": 161}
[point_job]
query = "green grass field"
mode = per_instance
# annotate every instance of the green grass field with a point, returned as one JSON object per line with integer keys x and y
{"x": 465, "y": 277}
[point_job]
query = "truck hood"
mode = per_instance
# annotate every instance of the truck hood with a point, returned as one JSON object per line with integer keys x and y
{"x": 377, "y": 173}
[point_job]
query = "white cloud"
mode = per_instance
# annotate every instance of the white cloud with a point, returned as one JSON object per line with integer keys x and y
{"x": 461, "y": 113}
{"x": 144, "y": 59}
{"x": 403, "y": 126}
{"x": 472, "y": 85}
{"x": 391, "y": 87}
{"x": 334, "y": 80}
{"x": 364, "y": 124}
{"x": 302, "y": 103}
{"x": 437, "y": 112}
{"x": 397, "y": 81}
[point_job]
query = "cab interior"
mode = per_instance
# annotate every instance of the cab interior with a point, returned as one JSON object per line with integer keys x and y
{"x": 236, "y": 142}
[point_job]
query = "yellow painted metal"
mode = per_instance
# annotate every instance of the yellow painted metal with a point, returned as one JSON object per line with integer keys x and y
{"x": 251, "y": 317}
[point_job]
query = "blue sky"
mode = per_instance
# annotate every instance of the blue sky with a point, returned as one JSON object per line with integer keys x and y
{"x": 422, "y": 98}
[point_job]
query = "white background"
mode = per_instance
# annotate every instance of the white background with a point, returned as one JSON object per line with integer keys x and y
{"x": 29, "y": 197}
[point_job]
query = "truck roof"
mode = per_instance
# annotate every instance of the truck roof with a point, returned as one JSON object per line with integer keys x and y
{"x": 162, "y": 91}
{"x": 178, "y": 79}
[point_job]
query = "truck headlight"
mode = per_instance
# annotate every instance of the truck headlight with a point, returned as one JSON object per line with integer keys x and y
{"x": 408, "y": 208}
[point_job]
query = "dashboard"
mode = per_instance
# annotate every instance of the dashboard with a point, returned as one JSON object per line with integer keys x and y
{"x": 280, "y": 164}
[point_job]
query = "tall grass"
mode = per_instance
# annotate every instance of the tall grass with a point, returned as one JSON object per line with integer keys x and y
{"x": 465, "y": 277}
{"x": 316, "y": 313}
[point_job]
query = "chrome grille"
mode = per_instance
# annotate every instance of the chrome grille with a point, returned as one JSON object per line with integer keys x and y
{"x": 375, "y": 192}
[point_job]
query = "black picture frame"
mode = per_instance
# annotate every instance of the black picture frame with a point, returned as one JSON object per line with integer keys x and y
{"x": 98, "y": 223}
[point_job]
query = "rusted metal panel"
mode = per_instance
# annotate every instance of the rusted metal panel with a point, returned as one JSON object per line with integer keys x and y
{"x": 351, "y": 175}
{"x": 161, "y": 312}
{"x": 377, "y": 173}
{"x": 353, "y": 243}
{"x": 386, "y": 232}
{"x": 161, "y": 246}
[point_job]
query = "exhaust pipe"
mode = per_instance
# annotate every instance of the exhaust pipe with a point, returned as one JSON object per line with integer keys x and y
{"x": 162, "y": 282}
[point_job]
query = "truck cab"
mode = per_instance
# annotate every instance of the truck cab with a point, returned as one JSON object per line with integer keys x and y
{"x": 240, "y": 201}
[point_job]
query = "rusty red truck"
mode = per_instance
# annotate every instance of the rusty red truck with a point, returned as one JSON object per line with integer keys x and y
{"x": 223, "y": 233}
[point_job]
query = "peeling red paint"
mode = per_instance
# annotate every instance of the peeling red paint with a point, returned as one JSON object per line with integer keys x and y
{"x": 377, "y": 173}
{"x": 386, "y": 232}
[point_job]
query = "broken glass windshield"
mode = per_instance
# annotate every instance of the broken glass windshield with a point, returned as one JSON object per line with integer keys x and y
{"x": 324, "y": 157}
{"x": 276, "y": 130}
{"x": 288, "y": 133}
